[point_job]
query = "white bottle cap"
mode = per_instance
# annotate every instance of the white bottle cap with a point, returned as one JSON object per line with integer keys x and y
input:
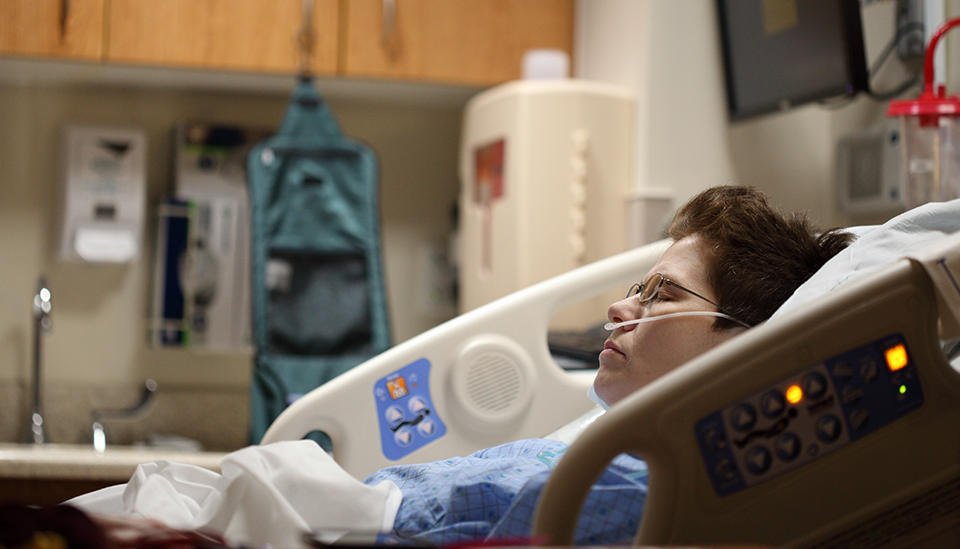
{"x": 545, "y": 64}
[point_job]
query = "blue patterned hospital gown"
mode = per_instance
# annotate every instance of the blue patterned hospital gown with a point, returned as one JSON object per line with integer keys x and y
{"x": 492, "y": 494}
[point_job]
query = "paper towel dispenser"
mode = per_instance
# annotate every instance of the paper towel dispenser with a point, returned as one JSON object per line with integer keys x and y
{"x": 105, "y": 194}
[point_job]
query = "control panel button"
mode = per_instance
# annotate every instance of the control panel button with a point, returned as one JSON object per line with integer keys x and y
{"x": 758, "y": 460}
{"x": 393, "y": 415}
{"x": 773, "y": 404}
{"x": 814, "y": 385}
{"x": 859, "y": 418}
{"x": 788, "y": 447}
{"x": 725, "y": 470}
{"x": 426, "y": 427}
{"x": 714, "y": 440}
{"x": 851, "y": 394}
{"x": 744, "y": 417}
{"x": 416, "y": 404}
{"x": 869, "y": 369}
{"x": 403, "y": 436}
{"x": 829, "y": 428}
{"x": 842, "y": 370}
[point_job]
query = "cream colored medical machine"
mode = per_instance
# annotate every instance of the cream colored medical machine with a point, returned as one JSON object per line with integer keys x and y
{"x": 481, "y": 379}
{"x": 837, "y": 425}
{"x": 544, "y": 171}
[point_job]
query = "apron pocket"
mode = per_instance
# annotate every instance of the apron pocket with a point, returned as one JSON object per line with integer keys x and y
{"x": 318, "y": 304}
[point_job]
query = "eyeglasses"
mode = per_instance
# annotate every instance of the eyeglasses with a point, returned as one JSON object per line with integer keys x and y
{"x": 649, "y": 289}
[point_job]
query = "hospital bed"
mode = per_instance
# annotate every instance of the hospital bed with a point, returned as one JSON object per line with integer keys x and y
{"x": 870, "y": 450}
{"x": 837, "y": 425}
{"x": 484, "y": 378}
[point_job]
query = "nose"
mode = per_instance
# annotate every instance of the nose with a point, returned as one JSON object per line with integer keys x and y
{"x": 623, "y": 310}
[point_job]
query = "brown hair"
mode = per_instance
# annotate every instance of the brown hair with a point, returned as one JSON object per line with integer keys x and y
{"x": 760, "y": 255}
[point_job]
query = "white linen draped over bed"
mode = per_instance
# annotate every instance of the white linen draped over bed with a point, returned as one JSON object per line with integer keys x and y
{"x": 270, "y": 494}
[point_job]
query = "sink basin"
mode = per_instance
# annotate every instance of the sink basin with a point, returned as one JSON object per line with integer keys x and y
{"x": 81, "y": 462}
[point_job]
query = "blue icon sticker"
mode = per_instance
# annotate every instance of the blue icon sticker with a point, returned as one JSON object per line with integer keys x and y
{"x": 408, "y": 420}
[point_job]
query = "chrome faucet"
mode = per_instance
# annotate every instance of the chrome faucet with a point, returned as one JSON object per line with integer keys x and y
{"x": 140, "y": 410}
{"x": 41, "y": 317}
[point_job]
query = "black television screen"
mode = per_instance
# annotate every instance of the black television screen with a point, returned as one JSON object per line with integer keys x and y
{"x": 782, "y": 53}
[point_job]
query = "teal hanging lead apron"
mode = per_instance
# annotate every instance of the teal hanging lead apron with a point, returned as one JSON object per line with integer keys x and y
{"x": 318, "y": 304}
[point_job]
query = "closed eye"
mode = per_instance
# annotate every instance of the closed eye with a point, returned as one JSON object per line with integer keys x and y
{"x": 668, "y": 292}
{"x": 663, "y": 295}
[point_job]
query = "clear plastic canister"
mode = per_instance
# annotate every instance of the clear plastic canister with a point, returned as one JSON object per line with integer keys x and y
{"x": 931, "y": 159}
{"x": 930, "y": 131}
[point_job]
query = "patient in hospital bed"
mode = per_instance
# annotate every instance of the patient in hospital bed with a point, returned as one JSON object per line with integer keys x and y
{"x": 734, "y": 261}
{"x": 733, "y": 256}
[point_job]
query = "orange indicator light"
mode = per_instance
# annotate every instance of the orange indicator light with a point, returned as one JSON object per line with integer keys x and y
{"x": 794, "y": 394}
{"x": 896, "y": 357}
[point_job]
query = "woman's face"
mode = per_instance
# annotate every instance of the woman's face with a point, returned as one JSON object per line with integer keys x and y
{"x": 635, "y": 355}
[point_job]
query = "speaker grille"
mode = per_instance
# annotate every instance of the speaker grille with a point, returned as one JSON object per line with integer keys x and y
{"x": 493, "y": 382}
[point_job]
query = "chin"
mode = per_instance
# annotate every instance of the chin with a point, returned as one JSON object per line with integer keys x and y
{"x": 605, "y": 395}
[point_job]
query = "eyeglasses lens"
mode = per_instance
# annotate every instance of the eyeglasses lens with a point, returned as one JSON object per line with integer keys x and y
{"x": 650, "y": 288}
{"x": 647, "y": 290}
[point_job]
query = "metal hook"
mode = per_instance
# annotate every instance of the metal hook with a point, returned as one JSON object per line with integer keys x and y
{"x": 388, "y": 25}
{"x": 305, "y": 38}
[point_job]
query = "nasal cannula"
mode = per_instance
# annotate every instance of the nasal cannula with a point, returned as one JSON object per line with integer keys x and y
{"x": 613, "y": 326}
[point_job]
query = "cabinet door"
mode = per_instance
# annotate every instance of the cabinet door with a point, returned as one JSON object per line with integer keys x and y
{"x": 52, "y": 28}
{"x": 479, "y": 42}
{"x": 247, "y": 35}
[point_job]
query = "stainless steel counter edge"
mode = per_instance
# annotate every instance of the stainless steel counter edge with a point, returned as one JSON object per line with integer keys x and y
{"x": 81, "y": 462}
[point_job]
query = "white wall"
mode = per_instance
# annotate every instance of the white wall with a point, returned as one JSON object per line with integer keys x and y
{"x": 99, "y": 333}
{"x": 669, "y": 52}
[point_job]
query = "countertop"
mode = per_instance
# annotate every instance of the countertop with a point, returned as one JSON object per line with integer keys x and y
{"x": 81, "y": 462}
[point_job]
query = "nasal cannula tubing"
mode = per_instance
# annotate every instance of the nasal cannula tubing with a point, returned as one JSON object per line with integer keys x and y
{"x": 613, "y": 326}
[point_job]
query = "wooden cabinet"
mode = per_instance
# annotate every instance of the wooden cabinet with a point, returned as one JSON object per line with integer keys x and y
{"x": 52, "y": 28}
{"x": 472, "y": 42}
{"x": 478, "y": 42}
{"x": 248, "y": 35}
{"x": 48, "y": 491}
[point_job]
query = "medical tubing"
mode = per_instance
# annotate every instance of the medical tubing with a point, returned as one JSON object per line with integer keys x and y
{"x": 611, "y": 326}
{"x": 931, "y": 49}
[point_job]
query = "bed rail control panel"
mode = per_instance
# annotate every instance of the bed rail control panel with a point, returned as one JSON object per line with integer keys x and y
{"x": 802, "y": 418}
{"x": 408, "y": 419}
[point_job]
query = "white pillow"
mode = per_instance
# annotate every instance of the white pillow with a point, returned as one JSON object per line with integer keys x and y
{"x": 877, "y": 246}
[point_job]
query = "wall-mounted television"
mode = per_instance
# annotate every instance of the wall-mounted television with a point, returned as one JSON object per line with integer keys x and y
{"x": 779, "y": 54}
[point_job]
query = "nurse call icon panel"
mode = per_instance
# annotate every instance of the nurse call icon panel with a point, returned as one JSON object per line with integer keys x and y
{"x": 808, "y": 415}
{"x": 408, "y": 420}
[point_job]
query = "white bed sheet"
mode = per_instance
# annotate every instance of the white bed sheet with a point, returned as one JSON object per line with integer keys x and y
{"x": 878, "y": 246}
{"x": 266, "y": 496}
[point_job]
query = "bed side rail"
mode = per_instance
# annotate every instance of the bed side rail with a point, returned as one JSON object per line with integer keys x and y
{"x": 870, "y": 447}
{"x": 483, "y": 378}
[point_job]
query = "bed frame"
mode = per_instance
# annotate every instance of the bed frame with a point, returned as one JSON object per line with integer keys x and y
{"x": 868, "y": 456}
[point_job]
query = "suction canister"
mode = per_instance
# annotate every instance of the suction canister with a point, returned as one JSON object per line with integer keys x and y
{"x": 930, "y": 126}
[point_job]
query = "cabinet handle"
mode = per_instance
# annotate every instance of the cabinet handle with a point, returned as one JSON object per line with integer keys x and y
{"x": 388, "y": 23}
{"x": 64, "y": 17}
{"x": 305, "y": 37}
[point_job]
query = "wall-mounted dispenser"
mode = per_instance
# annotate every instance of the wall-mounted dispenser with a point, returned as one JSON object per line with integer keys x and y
{"x": 105, "y": 178}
